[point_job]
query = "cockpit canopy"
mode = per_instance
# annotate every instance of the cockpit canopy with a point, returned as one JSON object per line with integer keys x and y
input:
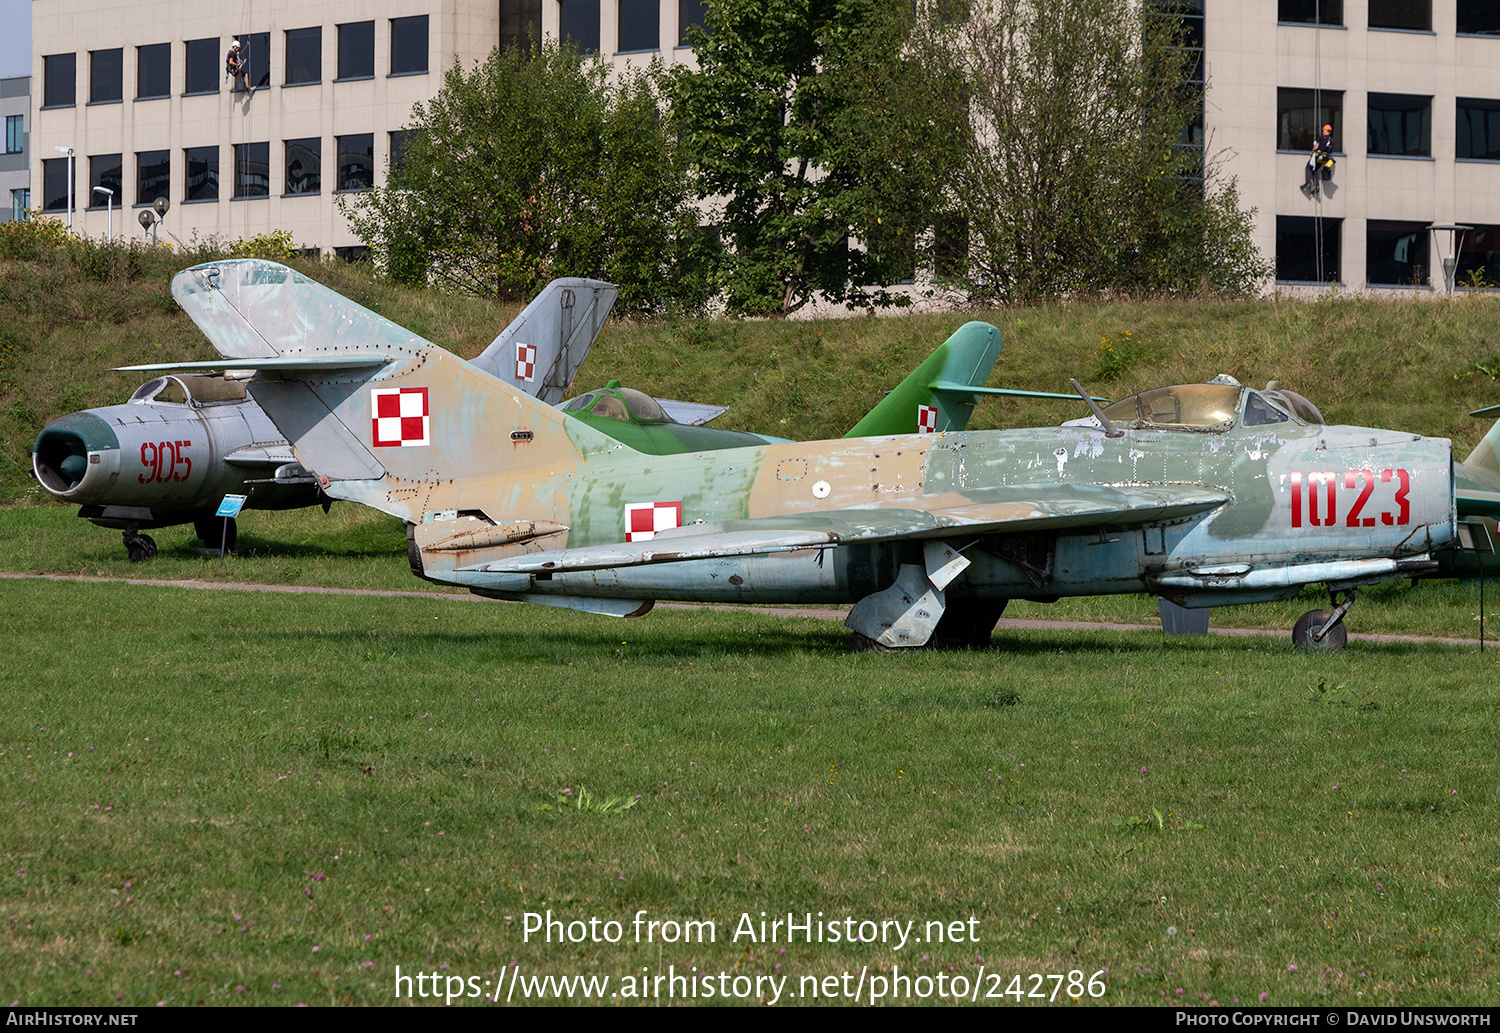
{"x": 619, "y": 403}
{"x": 180, "y": 390}
{"x": 1210, "y": 407}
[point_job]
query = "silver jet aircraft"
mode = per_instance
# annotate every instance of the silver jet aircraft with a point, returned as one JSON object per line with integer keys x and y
{"x": 183, "y": 441}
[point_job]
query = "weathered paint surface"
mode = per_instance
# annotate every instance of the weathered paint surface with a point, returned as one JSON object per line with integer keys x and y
{"x": 512, "y": 498}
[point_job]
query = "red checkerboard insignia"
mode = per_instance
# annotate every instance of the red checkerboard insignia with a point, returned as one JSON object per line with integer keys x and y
{"x": 644, "y": 519}
{"x": 399, "y": 417}
{"x": 926, "y": 419}
{"x": 526, "y": 362}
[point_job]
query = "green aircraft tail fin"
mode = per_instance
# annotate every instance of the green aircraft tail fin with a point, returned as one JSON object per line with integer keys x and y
{"x": 938, "y": 395}
{"x": 1486, "y": 454}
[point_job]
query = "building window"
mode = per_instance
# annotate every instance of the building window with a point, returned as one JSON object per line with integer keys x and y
{"x": 1478, "y": 130}
{"x": 202, "y": 174}
{"x": 55, "y": 185}
{"x": 1478, "y": 18}
{"x": 1395, "y": 253}
{"x": 202, "y": 67}
{"x": 15, "y": 134}
{"x": 356, "y": 162}
{"x": 409, "y": 45}
{"x": 252, "y": 170}
{"x": 106, "y": 76}
{"x": 153, "y": 71}
{"x": 1400, "y": 124}
{"x": 1302, "y": 114}
{"x": 153, "y": 176}
{"x": 357, "y": 50}
{"x": 304, "y": 166}
{"x": 59, "y": 81}
{"x": 304, "y": 56}
{"x": 1401, "y": 14}
{"x": 1311, "y": 12}
{"x": 578, "y": 23}
{"x": 520, "y": 24}
{"x": 401, "y": 139}
{"x": 20, "y": 204}
{"x": 104, "y": 171}
{"x": 690, "y": 13}
{"x": 255, "y": 52}
{"x": 640, "y": 25}
{"x": 1307, "y": 249}
{"x": 951, "y": 248}
{"x": 357, "y": 253}
{"x": 1479, "y": 257}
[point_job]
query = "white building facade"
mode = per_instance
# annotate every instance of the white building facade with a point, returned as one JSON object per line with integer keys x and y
{"x": 139, "y": 92}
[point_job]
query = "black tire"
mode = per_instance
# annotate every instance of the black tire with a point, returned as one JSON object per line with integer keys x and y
{"x": 140, "y": 548}
{"x": 967, "y": 623}
{"x": 866, "y": 644}
{"x": 1311, "y": 621}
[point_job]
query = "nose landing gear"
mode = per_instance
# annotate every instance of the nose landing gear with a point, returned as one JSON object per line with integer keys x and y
{"x": 1323, "y": 630}
{"x": 139, "y": 547}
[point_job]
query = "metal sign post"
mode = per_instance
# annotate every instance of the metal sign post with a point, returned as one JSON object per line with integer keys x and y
{"x": 1474, "y": 536}
{"x": 228, "y": 510}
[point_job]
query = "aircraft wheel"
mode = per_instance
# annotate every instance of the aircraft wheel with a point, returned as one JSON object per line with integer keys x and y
{"x": 967, "y": 624}
{"x": 140, "y": 548}
{"x": 1311, "y": 621}
{"x": 866, "y": 644}
{"x": 211, "y": 530}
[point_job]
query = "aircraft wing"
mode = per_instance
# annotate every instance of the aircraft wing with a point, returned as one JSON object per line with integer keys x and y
{"x": 257, "y": 456}
{"x": 994, "y": 511}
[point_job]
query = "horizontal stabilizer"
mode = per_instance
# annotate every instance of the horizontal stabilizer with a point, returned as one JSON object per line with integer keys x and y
{"x": 1477, "y": 502}
{"x": 294, "y": 364}
{"x": 997, "y": 511}
{"x": 958, "y": 388}
{"x": 693, "y": 414}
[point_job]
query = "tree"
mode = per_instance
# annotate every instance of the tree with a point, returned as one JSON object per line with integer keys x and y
{"x": 1078, "y": 178}
{"x": 824, "y": 144}
{"x": 534, "y": 166}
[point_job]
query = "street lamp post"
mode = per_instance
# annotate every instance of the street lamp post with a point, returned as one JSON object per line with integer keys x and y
{"x": 110, "y": 210}
{"x": 69, "y": 152}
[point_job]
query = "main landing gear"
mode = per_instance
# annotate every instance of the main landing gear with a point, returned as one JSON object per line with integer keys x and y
{"x": 139, "y": 547}
{"x": 1323, "y": 631}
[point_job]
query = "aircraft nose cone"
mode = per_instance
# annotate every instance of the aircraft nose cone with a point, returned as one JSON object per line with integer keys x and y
{"x": 60, "y": 456}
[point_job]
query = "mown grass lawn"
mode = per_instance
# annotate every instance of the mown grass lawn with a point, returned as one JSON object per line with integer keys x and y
{"x": 233, "y": 797}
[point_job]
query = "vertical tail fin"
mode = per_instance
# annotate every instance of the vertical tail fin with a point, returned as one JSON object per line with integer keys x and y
{"x": 1486, "y": 454}
{"x": 541, "y": 350}
{"x": 932, "y": 398}
{"x": 249, "y": 308}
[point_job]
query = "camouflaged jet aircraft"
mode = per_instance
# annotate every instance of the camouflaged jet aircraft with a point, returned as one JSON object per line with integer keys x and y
{"x": 1208, "y": 494}
{"x": 938, "y": 396}
{"x": 182, "y": 442}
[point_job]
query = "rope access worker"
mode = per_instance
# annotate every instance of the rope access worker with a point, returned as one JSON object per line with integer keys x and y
{"x": 1322, "y": 155}
{"x": 234, "y": 67}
